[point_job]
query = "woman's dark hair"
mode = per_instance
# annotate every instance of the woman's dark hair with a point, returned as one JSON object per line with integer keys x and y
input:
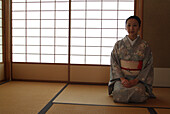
{"x": 134, "y": 17}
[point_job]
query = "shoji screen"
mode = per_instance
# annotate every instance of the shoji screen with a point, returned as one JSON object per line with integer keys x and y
{"x": 77, "y": 33}
{"x": 40, "y": 35}
{"x": 40, "y": 31}
{"x": 95, "y": 27}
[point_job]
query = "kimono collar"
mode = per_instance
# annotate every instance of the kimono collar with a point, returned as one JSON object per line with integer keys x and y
{"x": 127, "y": 42}
{"x": 132, "y": 42}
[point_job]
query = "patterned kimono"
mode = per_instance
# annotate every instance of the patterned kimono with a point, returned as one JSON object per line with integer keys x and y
{"x": 140, "y": 53}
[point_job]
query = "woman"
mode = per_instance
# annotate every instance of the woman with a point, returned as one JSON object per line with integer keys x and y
{"x": 131, "y": 75}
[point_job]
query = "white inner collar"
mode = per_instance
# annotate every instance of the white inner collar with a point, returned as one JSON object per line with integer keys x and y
{"x": 132, "y": 42}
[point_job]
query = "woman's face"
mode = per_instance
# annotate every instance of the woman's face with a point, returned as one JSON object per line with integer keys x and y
{"x": 132, "y": 27}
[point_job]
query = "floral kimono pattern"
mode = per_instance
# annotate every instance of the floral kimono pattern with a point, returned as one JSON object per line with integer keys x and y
{"x": 140, "y": 51}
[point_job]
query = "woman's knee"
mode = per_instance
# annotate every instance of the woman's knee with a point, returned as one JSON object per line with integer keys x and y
{"x": 120, "y": 97}
{"x": 138, "y": 96}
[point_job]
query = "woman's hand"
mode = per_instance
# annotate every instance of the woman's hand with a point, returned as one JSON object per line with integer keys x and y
{"x": 125, "y": 82}
{"x": 133, "y": 82}
{"x": 130, "y": 83}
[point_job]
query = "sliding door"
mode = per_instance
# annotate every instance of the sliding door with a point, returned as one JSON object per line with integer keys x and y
{"x": 96, "y": 25}
{"x": 64, "y": 40}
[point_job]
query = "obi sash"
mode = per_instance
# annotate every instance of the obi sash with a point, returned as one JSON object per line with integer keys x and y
{"x": 131, "y": 68}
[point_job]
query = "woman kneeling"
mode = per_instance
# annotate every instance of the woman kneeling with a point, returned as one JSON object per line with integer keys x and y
{"x": 131, "y": 74}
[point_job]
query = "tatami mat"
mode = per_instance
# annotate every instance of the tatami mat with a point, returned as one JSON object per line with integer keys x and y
{"x": 85, "y": 109}
{"x": 98, "y": 95}
{"x": 21, "y": 97}
{"x": 163, "y": 111}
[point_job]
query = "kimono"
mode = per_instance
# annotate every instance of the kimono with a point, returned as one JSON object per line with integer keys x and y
{"x": 139, "y": 58}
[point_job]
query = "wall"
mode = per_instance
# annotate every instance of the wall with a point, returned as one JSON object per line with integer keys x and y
{"x": 156, "y": 23}
{"x": 156, "y": 30}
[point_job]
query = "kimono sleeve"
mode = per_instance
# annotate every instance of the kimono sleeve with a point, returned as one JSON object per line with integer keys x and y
{"x": 115, "y": 70}
{"x": 147, "y": 73}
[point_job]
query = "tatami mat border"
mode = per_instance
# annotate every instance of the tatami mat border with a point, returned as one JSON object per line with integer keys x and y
{"x": 110, "y": 105}
{"x": 50, "y": 103}
{"x": 3, "y": 82}
{"x": 150, "y": 109}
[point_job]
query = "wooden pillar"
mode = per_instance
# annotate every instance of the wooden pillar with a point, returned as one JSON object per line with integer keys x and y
{"x": 139, "y": 13}
{"x": 7, "y": 39}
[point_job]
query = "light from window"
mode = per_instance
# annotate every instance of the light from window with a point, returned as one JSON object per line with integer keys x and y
{"x": 41, "y": 30}
{"x": 96, "y": 25}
